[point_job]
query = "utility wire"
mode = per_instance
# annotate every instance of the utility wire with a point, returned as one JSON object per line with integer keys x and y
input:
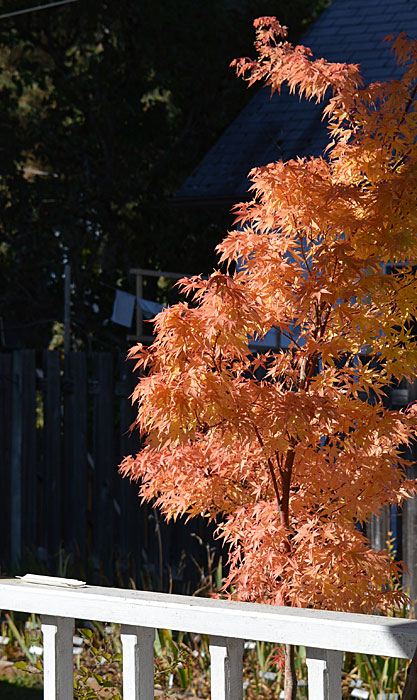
{"x": 35, "y": 9}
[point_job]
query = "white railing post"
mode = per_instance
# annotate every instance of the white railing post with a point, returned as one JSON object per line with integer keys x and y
{"x": 58, "y": 674}
{"x": 138, "y": 668}
{"x": 226, "y": 668}
{"x": 324, "y": 674}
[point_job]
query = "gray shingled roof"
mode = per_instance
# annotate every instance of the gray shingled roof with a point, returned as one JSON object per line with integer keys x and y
{"x": 283, "y": 127}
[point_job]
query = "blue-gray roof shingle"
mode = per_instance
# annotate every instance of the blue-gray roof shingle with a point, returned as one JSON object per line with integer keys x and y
{"x": 283, "y": 127}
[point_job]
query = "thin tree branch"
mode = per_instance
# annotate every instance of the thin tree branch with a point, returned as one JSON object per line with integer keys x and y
{"x": 270, "y": 467}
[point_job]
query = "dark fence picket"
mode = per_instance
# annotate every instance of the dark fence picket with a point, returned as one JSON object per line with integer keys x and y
{"x": 133, "y": 520}
{"x": 409, "y": 515}
{"x": 409, "y": 520}
{"x": 6, "y": 398}
{"x": 23, "y": 471}
{"x": 75, "y": 456}
{"x": 30, "y": 473}
{"x": 62, "y": 487}
{"x": 378, "y": 528}
{"x": 104, "y": 463}
{"x": 16, "y": 459}
{"x": 52, "y": 495}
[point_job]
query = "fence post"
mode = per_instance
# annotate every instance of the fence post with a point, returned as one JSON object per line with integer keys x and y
{"x": 138, "y": 667}
{"x": 226, "y": 668}
{"x": 324, "y": 674}
{"x": 57, "y": 657}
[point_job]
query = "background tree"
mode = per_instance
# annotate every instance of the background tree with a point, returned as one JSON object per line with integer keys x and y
{"x": 293, "y": 451}
{"x": 105, "y": 108}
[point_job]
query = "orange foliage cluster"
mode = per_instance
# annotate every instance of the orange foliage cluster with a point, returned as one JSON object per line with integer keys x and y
{"x": 291, "y": 449}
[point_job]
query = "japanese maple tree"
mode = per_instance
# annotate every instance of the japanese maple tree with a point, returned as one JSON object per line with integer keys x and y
{"x": 292, "y": 449}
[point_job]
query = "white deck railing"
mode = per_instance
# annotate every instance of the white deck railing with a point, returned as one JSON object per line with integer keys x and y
{"x": 325, "y": 634}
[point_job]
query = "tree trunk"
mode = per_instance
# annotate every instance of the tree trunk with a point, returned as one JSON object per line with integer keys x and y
{"x": 290, "y": 683}
{"x": 410, "y": 688}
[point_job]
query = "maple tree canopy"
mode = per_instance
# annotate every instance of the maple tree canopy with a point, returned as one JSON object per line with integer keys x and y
{"x": 293, "y": 461}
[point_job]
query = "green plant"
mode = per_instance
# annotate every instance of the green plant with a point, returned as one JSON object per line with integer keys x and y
{"x": 101, "y": 667}
{"x": 173, "y": 659}
{"x": 381, "y": 674}
{"x": 25, "y": 636}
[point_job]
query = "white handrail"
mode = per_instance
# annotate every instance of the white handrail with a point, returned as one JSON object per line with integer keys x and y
{"x": 325, "y": 634}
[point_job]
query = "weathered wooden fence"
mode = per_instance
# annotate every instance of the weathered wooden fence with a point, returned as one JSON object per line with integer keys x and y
{"x": 64, "y": 428}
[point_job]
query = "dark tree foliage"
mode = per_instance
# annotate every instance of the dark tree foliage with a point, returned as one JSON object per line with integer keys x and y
{"x": 105, "y": 108}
